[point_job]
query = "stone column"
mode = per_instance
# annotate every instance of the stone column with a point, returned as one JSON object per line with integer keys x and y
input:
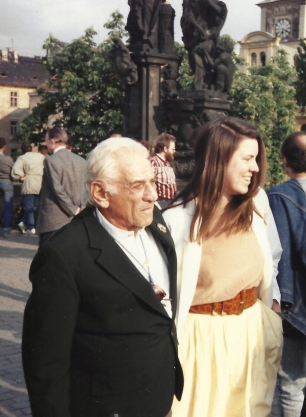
{"x": 143, "y": 99}
{"x": 302, "y": 25}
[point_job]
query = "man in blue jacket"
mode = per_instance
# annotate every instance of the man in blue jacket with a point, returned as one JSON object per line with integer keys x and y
{"x": 288, "y": 204}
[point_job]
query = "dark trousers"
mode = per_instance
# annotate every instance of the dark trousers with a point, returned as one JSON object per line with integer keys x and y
{"x": 29, "y": 203}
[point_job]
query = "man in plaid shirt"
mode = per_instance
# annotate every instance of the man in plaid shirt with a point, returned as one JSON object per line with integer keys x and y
{"x": 164, "y": 174}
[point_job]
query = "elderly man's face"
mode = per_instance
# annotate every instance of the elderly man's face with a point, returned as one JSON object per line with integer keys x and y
{"x": 132, "y": 207}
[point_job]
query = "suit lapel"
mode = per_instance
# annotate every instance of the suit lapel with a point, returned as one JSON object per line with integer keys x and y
{"x": 117, "y": 263}
{"x": 160, "y": 231}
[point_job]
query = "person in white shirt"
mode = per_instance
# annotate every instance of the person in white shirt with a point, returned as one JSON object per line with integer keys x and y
{"x": 29, "y": 169}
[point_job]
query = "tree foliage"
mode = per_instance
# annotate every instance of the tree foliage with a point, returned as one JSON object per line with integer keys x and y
{"x": 301, "y": 74}
{"x": 185, "y": 75}
{"x": 83, "y": 91}
{"x": 266, "y": 97}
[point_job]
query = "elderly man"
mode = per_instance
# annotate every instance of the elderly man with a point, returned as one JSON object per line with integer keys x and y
{"x": 99, "y": 337}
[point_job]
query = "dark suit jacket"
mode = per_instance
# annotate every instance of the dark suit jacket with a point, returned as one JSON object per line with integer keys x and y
{"x": 96, "y": 340}
{"x": 62, "y": 184}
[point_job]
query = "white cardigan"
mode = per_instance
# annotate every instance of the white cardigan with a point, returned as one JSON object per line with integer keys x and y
{"x": 179, "y": 219}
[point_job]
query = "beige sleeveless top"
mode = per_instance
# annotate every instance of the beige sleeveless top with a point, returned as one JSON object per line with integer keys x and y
{"x": 229, "y": 264}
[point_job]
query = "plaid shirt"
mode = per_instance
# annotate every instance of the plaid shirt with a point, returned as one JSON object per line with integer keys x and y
{"x": 165, "y": 178}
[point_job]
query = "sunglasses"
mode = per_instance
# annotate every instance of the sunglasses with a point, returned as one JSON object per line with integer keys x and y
{"x": 160, "y": 293}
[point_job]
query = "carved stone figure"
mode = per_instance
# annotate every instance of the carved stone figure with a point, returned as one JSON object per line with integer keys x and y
{"x": 142, "y": 22}
{"x": 123, "y": 63}
{"x": 166, "y": 29}
{"x": 169, "y": 83}
{"x": 224, "y": 68}
{"x": 201, "y": 23}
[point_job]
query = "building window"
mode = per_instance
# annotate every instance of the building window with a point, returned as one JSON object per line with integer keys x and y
{"x": 303, "y": 128}
{"x": 253, "y": 59}
{"x": 13, "y": 129}
{"x": 263, "y": 58}
{"x": 14, "y": 99}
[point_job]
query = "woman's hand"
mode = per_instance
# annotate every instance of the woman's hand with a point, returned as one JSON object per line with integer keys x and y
{"x": 276, "y": 307}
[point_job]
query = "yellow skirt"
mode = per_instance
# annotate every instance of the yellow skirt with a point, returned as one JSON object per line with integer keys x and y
{"x": 230, "y": 363}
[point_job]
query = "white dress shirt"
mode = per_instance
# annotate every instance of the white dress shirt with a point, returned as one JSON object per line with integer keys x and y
{"x": 146, "y": 254}
{"x": 59, "y": 147}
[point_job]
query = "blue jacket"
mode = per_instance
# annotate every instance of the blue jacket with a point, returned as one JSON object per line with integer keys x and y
{"x": 288, "y": 204}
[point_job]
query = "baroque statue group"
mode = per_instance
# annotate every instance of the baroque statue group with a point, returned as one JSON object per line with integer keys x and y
{"x": 149, "y": 67}
{"x": 202, "y": 20}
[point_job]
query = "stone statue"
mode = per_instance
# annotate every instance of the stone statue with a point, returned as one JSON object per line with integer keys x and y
{"x": 126, "y": 68}
{"x": 169, "y": 84}
{"x": 142, "y": 22}
{"x": 166, "y": 28}
{"x": 224, "y": 68}
{"x": 201, "y": 23}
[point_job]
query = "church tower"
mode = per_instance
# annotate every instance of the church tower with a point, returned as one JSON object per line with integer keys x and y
{"x": 285, "y": 19}
{"x": 283, "y": 24}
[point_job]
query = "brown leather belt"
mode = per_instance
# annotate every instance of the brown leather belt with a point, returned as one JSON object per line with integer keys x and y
{"x": 243, "y": 300}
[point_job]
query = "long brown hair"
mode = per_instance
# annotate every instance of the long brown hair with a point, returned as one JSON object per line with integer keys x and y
{"x": 216, "y": 142}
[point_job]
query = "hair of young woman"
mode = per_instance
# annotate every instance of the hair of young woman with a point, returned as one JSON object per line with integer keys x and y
{"x": 215, "y": 143}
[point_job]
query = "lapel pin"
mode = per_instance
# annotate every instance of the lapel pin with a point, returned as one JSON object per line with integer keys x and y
{"x": 162, "y": 228}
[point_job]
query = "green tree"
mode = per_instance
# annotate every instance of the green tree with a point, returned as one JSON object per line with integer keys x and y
{"x": 185, "y": 75}
{"x": 301, "y": 75}
{"x": 116, "y": 27}
{"x": 83, "y": 93}
{"x": 266, "y": 97}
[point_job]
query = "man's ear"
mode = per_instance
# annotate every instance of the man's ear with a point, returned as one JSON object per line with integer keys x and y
{"x": 100, "y": 196}
{"x": 287, "y": 169}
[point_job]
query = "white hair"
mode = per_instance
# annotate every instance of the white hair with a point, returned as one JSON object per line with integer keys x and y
{"x": 103, "y": 164}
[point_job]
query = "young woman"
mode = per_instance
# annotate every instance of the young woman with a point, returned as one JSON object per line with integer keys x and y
{"x": 230, "y": 337}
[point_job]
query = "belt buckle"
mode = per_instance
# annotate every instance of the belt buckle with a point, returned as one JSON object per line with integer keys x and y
{"x": 213, "y": 312}
{"x": 223, "y": 313}
{"x": 241, "y": 302}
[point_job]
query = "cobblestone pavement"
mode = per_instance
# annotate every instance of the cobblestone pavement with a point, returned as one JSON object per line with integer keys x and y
{"x": 16, "y": 254}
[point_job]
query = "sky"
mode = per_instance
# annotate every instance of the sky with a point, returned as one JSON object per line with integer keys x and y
{"x": 25, "y": 24}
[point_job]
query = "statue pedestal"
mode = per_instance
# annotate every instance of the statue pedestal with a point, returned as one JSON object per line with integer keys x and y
{"x": 143, "y": 99}
{"x": 192, "y": 109}
{"x": 206, "y": 100}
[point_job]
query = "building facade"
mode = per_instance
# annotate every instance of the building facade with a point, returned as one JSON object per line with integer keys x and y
{"x": 283, "y": 23}
{"x": 19, "y": 79}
